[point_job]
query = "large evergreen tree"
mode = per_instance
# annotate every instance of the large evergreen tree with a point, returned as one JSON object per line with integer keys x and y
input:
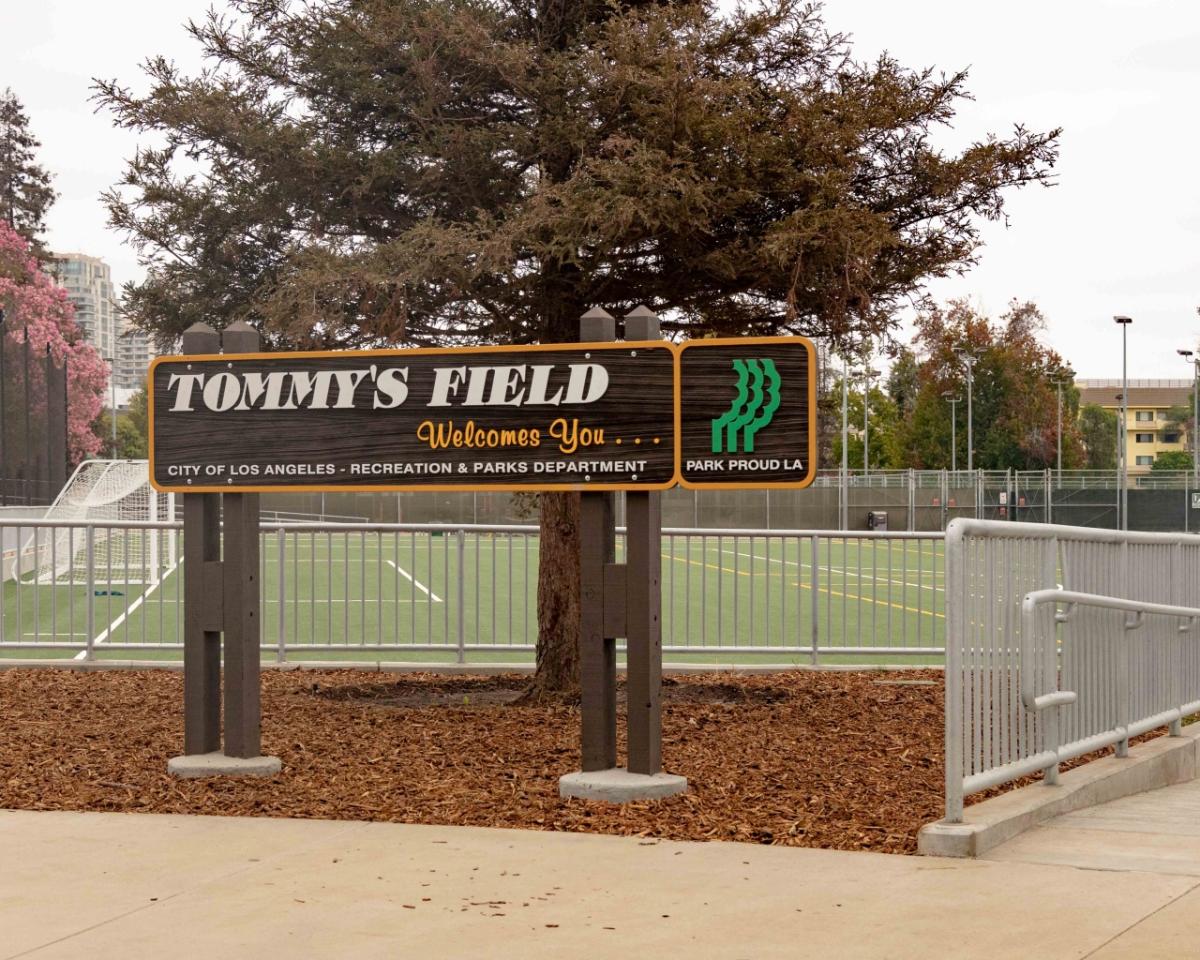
{"x": 25, "y": 191}
{"x": 365, "y": 172}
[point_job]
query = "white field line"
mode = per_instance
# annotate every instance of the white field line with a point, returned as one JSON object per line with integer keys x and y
{"x": 414, "y": 581}
{"x": 848, "y": 573}
{"x": 108, "y": 631}
{"x": 54, "y": 636}
{"x": 358, "y": 600}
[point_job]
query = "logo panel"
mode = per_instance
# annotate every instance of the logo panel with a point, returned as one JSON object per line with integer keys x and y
{"x": 747, "y": 412}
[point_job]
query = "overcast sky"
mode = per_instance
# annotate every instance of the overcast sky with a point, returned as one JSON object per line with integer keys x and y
{"x": 1117, "y": 235}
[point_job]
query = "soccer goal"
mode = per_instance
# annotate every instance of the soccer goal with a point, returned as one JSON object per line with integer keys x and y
{"x": 99, "y": 492}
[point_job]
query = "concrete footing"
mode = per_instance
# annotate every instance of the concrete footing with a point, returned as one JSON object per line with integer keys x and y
{"x": 1156, "y": 763}
{"x": 618, "y": 785}
{"x": 198, "y": 765}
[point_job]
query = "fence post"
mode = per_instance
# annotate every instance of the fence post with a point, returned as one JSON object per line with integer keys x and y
{"x": 4, "y": 463}
{"x": 814, "y": 615}
{"x": 597, "y": 650}
{"x": 1122, "y": 749}
{"x": 953, "y": 712}
{"x": 201, "y": 621}
{"x": 912, "y": 499}
{"x": 281, "y": 642}
{"x": 643, "y": 601}
{"x": 460, "y": 550}
{"x": 242, "y": 598}
{"x": 90, "y": 541}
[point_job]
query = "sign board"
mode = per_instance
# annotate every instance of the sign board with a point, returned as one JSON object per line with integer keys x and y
{"x": 552, "y": 417}
{"x": 748, "y": 412}
{"x": 602, "y": 416}
{"x": 1195, "y": 501}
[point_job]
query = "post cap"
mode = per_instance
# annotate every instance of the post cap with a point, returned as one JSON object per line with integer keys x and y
{"x": 642, "y": 323}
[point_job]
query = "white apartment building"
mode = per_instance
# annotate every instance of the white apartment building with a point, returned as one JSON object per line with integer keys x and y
{"x": 89, "y": 285}
{"x": 88, "y": 282}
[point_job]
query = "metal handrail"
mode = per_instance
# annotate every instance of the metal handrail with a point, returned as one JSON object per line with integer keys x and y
{"x": 372, "y": 527}
{"x": 994, "y": 736}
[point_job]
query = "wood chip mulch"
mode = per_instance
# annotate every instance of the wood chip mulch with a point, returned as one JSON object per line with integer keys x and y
{"x": 837, "y": 760}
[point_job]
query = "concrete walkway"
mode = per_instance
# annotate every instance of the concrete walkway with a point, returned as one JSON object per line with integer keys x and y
{"x": 141, "y": 886}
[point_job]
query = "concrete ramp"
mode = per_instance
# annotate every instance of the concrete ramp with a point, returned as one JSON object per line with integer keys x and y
{"x": 1153, "y": 832}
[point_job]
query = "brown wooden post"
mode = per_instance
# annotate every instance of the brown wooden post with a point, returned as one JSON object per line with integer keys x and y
{"x": 241, "y": 598}
{"x": 598, "y": 647}
{"x": 643, "y": 603}
{"x": 202, "y": 603}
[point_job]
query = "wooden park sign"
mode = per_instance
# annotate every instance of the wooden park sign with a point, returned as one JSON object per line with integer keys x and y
{"x": 597, "y": 416}
{"x": 601, "y": 416}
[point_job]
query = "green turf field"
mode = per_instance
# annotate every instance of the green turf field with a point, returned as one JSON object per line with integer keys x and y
{"x": 400, "y": 596}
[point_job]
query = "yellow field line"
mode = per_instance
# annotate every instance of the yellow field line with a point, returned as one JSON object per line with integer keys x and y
{"x": 805, "y": 586}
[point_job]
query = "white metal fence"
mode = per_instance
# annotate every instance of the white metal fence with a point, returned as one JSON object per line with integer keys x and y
{"x": 1061, "y": 641}
{"x": 469, "y": 592}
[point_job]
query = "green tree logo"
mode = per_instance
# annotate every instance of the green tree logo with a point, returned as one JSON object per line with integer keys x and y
{"x": 752, "y": 409}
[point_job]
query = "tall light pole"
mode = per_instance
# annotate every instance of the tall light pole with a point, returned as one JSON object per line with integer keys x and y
{"x": 969, "y": 360}
{"x": 1120, "y": 441}
{"x": 1065, "y": 375}
{"x": 867, "y": 373}
{"x": 949, "y": 395}
{"x": 112, "y": 379}
{"x": 845, "y": 416}
{"x": 844, "y": 492}
{"x": 1124, "y": 323}
{"x": 1190, "y": 357}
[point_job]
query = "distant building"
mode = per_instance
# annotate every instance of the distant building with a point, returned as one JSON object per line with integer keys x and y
{"x": 1149, "y": 430}
{"x": 88, "y": 282}
{"x": 133, "y": 357}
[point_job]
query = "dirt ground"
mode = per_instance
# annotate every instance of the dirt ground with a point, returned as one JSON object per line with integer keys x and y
{"x": 837, "y": 760}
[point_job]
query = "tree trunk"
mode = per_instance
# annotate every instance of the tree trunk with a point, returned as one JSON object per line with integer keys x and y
{"x": 557, "y": 676}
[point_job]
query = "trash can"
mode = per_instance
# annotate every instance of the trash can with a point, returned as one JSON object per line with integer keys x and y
{"x": 877, "y": 520}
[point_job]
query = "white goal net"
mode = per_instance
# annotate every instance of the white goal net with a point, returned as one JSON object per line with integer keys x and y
{"x": 100, "y": 492}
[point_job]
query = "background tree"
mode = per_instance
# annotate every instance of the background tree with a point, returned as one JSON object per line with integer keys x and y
{"x": 132, "y": 429}
{"x": 883, "y": 424}
{"x": 38, "y": 311}
{"x": 25, "y": 191}
{"x": 1098, "y": 433}
{"x": 1014, "y": 397}
{"x": 369, "y": 172}
{"x": 904, "y": 380}
{"x": 1172, "y": 460}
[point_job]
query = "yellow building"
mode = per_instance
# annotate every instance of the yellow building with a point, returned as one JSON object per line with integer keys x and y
{"x": 1148, "y": 431}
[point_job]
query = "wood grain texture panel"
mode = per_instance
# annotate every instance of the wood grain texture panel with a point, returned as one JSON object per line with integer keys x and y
{"x": 369, "y": 447}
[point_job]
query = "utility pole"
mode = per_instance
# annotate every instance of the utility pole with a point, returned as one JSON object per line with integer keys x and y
{"x": 954, "y": 401}
{"x": 112, "y": 379}
{"x": 868, "y": 373}
{"x": 1065, "y": 375}
{"x": 1123, "y": 493}
{"x": 1190, "y": 357}
{"x": 845, "y": 491}
{"x": 969, "y": 360}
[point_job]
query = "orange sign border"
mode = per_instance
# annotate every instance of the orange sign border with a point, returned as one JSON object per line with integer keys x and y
{"x": 811, "y": 473}
{"x": 606, "y": 346}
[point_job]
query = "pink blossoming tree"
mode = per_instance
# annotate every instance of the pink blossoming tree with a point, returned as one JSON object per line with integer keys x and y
{"x": 38, "y": 311}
